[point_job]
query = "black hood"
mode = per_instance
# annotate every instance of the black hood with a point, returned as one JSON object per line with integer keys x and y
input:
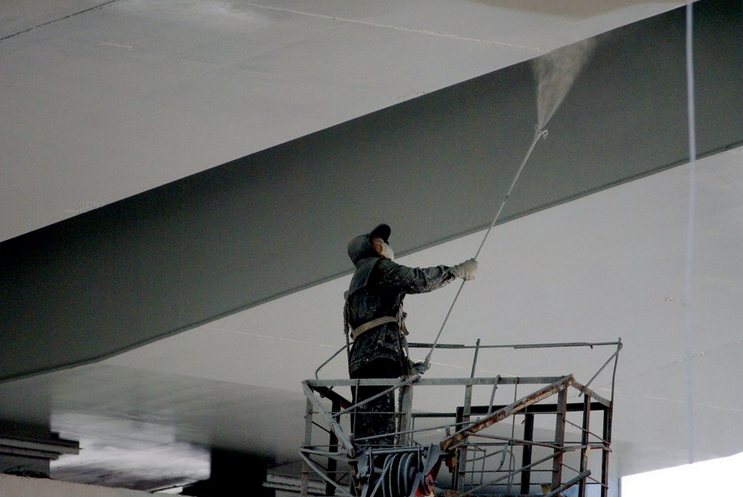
{"x": 361, "y": 248}
{"x": 364, "y": 257}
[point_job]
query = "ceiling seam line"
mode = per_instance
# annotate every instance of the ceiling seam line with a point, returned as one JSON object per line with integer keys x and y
{"x": 400, "y": 28}
{"x": 96, "y": 7}
{"x": 269, "y": 337}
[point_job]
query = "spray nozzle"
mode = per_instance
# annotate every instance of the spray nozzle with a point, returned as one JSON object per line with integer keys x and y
{"x": 541, "y": 133}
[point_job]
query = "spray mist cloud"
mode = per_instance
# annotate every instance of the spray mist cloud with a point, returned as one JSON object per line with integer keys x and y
{"x": 555, "y": 74}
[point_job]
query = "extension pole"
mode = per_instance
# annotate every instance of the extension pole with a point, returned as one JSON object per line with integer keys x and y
{"x": 538, "y": 133}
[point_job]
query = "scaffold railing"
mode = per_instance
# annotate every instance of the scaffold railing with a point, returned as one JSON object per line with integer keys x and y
{"x": 496, "y": 435}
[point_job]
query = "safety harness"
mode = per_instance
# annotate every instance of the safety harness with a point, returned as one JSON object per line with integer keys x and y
{"x": 355, "y": 333}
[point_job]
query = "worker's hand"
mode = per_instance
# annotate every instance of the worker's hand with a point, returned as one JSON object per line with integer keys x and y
{"x": 422, "y": 367}
{"x": 466, "y": 270}
{"x": 417, "y": 367}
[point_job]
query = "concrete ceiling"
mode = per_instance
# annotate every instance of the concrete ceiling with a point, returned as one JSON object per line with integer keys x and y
{"x": 104, "y": 101}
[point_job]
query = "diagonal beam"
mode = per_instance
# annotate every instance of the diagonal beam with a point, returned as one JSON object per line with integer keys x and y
{"x": 507, "y": 411}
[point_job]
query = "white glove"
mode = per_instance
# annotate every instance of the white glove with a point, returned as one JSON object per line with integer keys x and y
{"x": 466, "y": 270}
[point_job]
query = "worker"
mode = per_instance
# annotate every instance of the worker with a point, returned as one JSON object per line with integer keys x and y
{"x": 374, "y": 320}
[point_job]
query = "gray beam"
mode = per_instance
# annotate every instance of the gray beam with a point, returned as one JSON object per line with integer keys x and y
{"x": 434, "y": 168}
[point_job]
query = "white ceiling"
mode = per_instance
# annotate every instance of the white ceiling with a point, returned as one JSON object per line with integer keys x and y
{"x": 105, "y": 104}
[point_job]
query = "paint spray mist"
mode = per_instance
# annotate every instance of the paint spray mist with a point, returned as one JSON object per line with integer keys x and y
{"x": 555, "y": 74}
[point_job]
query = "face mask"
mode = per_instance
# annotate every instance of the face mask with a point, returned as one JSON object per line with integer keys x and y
{"x": 387, "y": 252}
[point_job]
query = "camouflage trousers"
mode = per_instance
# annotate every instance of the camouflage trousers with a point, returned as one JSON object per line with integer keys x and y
{"x": 378, "y": 416}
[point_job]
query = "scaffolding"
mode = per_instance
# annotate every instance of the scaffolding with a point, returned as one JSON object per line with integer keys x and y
{"x": 532, "y": 436}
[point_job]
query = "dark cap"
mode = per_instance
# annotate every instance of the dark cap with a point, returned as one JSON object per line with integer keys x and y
{"x": 382, "y": 231}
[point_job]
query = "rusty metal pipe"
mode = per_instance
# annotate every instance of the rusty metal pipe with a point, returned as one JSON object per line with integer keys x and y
{"x": 506, "y": 411}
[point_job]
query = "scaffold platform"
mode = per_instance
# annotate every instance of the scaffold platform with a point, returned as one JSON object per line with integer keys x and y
{"x": 457, "y": 437}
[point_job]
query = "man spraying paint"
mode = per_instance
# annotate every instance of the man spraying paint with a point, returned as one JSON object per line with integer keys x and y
{"x": 375, "y": 321}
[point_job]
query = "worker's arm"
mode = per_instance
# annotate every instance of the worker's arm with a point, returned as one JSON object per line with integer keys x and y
{"x": 412, "y": 280}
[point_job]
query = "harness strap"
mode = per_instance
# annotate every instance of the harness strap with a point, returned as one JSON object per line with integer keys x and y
{"x": 371, "y": 324}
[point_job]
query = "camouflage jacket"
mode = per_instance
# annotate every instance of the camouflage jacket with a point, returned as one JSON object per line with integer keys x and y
{"x": 381, "y": 293}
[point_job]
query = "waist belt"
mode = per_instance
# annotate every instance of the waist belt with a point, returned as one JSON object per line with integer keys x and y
{"x": 371, "y": 324}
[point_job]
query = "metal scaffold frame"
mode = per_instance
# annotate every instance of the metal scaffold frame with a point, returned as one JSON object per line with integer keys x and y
{"x": 540, "y": 440}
